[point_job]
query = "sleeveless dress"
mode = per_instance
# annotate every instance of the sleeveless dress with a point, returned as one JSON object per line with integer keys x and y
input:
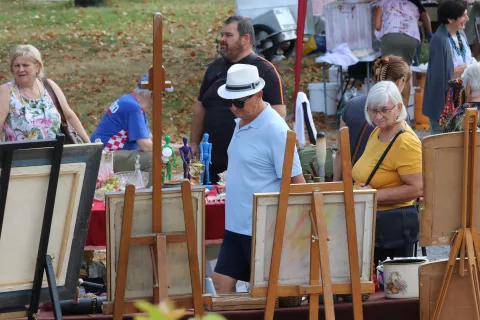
{"x": 30, "y": 119}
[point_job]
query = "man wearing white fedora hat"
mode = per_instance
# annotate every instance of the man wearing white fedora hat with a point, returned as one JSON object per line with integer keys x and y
{"x": 255, "y": 163}
{"x": 210, "y": 112}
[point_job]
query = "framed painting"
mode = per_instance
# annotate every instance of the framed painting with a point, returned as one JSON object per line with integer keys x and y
{"x": 443, "y": 187}
{"x": 295, "y": 259}
{"x": 23, "y": 219}
{"x": 140, "y": 267}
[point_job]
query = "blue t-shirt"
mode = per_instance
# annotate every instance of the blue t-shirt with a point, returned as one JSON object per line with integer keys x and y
{"x": 123, "y": 124}
{"x": 255, "y": 163}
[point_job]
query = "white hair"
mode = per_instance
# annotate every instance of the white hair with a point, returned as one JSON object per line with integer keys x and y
{"x": 142, "y": 92}
{"x": 471, "y": 75}
{"x": 380, "y": 95}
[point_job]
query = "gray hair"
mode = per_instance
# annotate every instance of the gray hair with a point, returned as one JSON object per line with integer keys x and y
{"x": 379, "y": 96}
{"x": 142, "y": 92}
{"x": 471, "y": 75}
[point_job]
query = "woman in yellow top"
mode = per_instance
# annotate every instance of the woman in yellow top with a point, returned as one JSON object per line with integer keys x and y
{"x": 398, "y": 179}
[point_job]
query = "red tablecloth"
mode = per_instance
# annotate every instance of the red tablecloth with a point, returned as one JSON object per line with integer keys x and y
{"x": 97, "y": 228}
{"x": 214, "y": 222}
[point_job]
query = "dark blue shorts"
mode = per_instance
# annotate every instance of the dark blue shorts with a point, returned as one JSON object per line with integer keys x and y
{"x": 235, "y": 256}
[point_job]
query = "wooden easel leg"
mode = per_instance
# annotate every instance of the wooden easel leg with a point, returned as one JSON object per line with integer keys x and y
{"x": 313, "y": 299}
{"x": 472, "y": 268}
{"x": 161, "y": 263}
{"x": 351, "y": 227}
{"x": 125, "y": 239}
{"x": 189, "y": 219}
{"x": 476, "y": 245}
{"x": 455, "y": 248}
{"x": 280, "y": 227}
{"x": 52, "y": 288}
{"x": 321, "y": 224}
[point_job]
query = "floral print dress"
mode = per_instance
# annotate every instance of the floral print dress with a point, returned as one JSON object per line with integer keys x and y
{"x": 454, "y": 120}
{"x": 30, "y": 119}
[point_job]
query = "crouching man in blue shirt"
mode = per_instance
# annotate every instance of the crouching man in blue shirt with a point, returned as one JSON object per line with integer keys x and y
{"x": 124, "y": 130}
{"x": 255, "y": 163}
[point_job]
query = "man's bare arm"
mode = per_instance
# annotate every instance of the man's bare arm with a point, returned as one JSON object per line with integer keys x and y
{"x": 281, "y": 109}
{"x": 196, "y": 126}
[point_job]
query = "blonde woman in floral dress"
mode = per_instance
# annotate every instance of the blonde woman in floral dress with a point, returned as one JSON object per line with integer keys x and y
{"x": 27, "y": 111}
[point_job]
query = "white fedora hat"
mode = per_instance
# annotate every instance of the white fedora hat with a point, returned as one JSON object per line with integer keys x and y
{"x": 242, "y": 81}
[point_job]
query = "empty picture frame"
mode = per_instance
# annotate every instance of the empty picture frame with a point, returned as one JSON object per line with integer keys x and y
{"x": 140, "y": 269}
{"x": 24, "y": 216}
{"x": 295, "y": 260}
{"x": 443, "y": 188}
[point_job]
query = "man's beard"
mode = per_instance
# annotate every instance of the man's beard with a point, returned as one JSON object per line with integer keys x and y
{"x": 231, "y": 52}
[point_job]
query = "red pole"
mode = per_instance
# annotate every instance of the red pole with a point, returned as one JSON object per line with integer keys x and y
{"x": 302, "y": 12}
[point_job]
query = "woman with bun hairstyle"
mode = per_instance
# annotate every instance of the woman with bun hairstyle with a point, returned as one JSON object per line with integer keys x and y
{"x": 389, "y": 68}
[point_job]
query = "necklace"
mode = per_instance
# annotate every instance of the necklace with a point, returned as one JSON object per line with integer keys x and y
{"x": 460, "y": 50}
{"x": 25, "y": 96}
{"x": 28, "y": 102}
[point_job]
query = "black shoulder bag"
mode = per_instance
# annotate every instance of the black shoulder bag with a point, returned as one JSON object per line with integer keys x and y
{"x": 71, "y": 136}
{"x": 383, "y": 157}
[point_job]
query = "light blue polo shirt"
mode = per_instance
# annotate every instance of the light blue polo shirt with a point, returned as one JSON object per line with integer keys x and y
{"x": 255, "y": 163}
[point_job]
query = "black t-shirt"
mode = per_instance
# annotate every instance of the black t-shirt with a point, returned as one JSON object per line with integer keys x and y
{"x": 354, "y": 118}
{"x": 219, "y": 120}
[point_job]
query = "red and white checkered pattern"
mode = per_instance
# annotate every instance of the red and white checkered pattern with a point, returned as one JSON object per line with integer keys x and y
{"x": 117, "y": 141}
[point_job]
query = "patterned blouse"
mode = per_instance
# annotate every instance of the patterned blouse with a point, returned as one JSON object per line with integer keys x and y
{"x": 400, "y": 16}
{"x": 454, "y": 121}
{"x": 30, "y": 119}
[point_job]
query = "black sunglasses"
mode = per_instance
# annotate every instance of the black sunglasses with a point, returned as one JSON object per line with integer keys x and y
{"x": 240, "y": 103}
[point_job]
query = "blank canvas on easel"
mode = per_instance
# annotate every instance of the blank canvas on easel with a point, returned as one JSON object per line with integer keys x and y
{"x": 442, "y": 188}
{"x": 19, "y": 243}
{"x": 295, "y": 259}
{"x": 24, "y": 212}
{"x": 140, "y": 269}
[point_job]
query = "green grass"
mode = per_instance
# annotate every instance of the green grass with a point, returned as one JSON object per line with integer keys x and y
{"x": 97, "y": 54}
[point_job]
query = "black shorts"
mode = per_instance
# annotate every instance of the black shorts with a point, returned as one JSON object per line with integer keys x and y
{"x": 235, "y": 256}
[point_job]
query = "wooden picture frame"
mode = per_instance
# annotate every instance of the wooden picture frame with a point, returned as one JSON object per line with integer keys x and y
{"x": 140, "y": 272}
{"x": 295, "y": 258}
{"x": 443, "y": 187}
{"x": 24, "y": 215}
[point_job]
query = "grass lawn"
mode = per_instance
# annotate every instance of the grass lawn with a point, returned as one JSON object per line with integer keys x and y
{"x": 97, "y": 54}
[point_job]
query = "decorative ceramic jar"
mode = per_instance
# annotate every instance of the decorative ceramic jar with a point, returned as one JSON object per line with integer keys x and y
{"x": 400, "y": 278}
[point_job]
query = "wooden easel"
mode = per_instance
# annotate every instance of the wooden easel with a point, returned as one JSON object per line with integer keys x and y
{"x": 158, "y": 249}
{"x": 466, "y": 240}
{"x": 319, "y": 259}
{"x": 157, "y": 240}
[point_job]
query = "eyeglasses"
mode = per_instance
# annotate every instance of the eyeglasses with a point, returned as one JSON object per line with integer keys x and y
{"x": 240, "y": 103}
{"x": 383, "y": 111}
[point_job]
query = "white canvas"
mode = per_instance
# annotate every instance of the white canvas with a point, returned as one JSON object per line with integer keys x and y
{"x": 140, "y": 269}
{"x": 23, "y": 222}
{"x": 295, "y": 260}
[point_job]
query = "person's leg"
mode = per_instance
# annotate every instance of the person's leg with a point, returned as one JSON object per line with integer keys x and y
{"x": 231, "y": 264}
{"x": 435, "y": 127}
{"x": 223, "y": 283}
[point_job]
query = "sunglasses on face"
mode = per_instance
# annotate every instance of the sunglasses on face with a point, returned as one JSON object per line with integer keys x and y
{"x": 240, "y": 103}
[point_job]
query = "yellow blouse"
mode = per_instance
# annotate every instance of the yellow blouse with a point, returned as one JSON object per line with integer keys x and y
{"x": 404, "y": 158}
